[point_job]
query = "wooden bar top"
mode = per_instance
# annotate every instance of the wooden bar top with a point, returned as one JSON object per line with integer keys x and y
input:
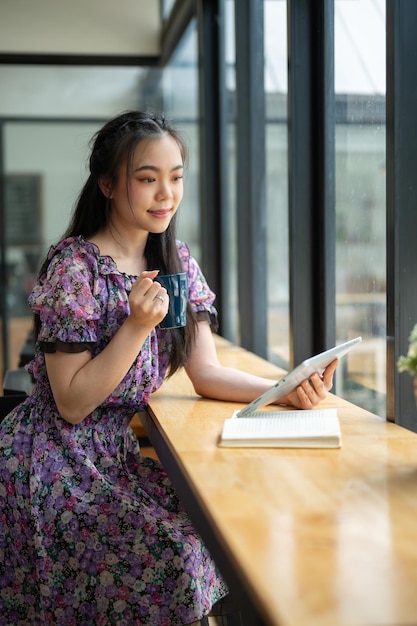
{"x": 315, "y": 537}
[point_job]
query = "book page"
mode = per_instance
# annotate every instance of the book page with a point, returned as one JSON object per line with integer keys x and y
{"x": 315, "y": 428}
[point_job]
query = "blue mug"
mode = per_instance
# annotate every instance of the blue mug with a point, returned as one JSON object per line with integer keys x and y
{"x": 177, "y": 289}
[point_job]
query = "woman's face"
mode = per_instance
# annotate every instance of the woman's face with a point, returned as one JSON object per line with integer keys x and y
{"x": 154, "y": 190}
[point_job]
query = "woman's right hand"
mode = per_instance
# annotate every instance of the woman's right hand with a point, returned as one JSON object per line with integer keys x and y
{"x": 312, "y": 390}
{"x": 81, "y": 383}
{"x": 148, "y": 300}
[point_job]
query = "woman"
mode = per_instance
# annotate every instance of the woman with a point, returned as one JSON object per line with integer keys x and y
{"x": 93, "y": 532}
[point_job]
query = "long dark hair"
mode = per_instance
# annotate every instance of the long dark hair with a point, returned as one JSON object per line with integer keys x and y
{"x": 111, "y": 146}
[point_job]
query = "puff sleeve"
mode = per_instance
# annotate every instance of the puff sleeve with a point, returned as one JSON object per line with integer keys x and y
{"x": 65, "y": 298}
{"x": 200, "y": 296}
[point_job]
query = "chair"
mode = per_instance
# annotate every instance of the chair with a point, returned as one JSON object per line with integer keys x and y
{"x": 17, "y": 382}
{"x": 26, "y": 354}
{"x": 7, "y": 403}
{"x": 17, "y": 385}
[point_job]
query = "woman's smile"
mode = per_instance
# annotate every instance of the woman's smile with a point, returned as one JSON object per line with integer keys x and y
{"x": 160, "y": 213}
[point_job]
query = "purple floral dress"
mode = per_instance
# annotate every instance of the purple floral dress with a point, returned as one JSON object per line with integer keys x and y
{"x": 91, "y": 532}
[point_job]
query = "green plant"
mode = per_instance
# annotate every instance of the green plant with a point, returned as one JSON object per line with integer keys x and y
{"x": 409, "y": 363}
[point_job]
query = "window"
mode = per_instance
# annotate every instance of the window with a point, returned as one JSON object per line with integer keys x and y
{"x": 360, "y": 199}
{"x": 179, "y": 94}
{"x": 276, "y": 77}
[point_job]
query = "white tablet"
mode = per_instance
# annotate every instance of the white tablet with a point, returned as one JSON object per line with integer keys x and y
{"x": 317, "y": 363}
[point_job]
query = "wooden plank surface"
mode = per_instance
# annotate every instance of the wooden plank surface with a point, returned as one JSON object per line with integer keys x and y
{"x": 317, "y": 537}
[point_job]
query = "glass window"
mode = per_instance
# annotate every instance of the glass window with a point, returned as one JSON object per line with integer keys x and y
{"x": 48, "y": 91}
{"x": 166, "y": 6}
{"x": 360, "y": 199}
{"x": 179, "y": 89}
{"x": 275, "y": 77}
{"x": 275, "y": 48}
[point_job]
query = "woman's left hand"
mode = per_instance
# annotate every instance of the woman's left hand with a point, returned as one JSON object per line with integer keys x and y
{"x": 312, "y": 390}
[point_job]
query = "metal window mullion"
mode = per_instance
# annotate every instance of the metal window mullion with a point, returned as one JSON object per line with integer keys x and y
{"x": 325, "y": 196}
{"x": 401, "y": 100}
{"x": 174, "y": 28}
{"x": 311, "y": 176}
{"x": 4, "y": 314}
{"x": 251, "y": 169}
{"x": 213, "y": 180}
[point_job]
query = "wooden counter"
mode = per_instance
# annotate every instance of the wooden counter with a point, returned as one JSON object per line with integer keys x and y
{"x": 305, "y": 537}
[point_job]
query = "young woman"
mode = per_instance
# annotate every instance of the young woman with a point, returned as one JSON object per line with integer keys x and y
{"x": 91, "y": 531}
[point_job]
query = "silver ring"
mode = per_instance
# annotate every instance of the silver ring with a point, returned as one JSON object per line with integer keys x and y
{"x": 159, "y": 298}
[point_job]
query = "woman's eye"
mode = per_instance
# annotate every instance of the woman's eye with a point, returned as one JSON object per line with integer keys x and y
{"x": 147, "y": 180}
{"x": 177, "y": 179}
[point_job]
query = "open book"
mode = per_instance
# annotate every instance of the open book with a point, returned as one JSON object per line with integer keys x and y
{"x": 318, "y": 428}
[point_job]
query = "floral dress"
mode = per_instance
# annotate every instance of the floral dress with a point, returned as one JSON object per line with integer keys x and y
{"x": 92, "y": 532}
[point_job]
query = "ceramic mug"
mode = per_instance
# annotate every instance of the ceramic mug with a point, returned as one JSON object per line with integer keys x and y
{"x": 177, "y": 289}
